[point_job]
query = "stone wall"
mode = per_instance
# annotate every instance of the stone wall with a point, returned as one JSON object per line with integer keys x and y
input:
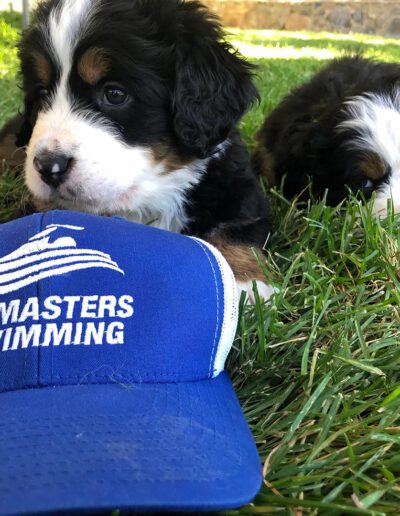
{"x": 365, "y": 16}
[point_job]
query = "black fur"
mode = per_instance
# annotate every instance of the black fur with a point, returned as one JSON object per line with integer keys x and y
{"x": 231, "y": 194}
{"x": 300, "y": 139}
{"x": 213, "y": 86}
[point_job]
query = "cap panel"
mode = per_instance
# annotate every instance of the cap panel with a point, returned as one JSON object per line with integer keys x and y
{"x": 157, "y": 314}
{"x": 118, "y": 302}
{"x": 150, "y": 446}
{"x": 123, "y": 326}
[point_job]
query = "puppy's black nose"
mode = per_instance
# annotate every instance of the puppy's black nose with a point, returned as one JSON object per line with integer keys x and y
{"x": 53, "y": 167}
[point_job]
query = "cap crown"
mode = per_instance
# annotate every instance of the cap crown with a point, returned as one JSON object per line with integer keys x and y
{"x": 86, "y": 299}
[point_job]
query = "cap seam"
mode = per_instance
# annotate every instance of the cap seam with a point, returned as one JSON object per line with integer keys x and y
{"x": 38, "y": 289}
{"x": 114, "y": 384}
{"x": 203, "y": 248}
{"x": 51, "y": 350}
{"x": 230, "y": 315}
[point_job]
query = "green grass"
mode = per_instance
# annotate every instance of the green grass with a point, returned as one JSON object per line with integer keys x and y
{"x": 10, "y": 98}
{"x": 318, "y": 369}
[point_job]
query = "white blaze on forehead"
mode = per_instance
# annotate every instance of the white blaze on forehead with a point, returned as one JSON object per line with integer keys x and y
{"x": 66, "y": 26}
{"x": 376, "y": 119}
{"x": 66, "y": 23}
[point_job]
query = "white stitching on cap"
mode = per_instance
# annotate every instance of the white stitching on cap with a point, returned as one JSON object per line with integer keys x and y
{"x": 230, "y": 314}
{"x": 203, "y": 248}
{"x": 230, "y": 317}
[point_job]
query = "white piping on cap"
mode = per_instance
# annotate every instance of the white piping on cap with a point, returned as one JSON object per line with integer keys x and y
{"x": 231, "y": 309}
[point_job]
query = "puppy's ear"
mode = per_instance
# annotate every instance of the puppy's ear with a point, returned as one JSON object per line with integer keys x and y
{"x": 213, "y": 90}
{"x": 24, "y": 128}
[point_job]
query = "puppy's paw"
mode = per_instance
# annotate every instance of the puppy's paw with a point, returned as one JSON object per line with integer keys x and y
{"x": 264, "y": 291}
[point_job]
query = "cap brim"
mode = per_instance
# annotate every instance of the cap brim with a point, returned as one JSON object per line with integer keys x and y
{"x": 142, "y": 447}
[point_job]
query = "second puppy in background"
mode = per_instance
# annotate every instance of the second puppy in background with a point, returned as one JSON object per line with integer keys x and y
{"x": 341, "y": 130}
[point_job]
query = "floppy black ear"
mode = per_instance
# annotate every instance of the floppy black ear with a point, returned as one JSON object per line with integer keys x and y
{"x": 213, "y": 90}
{"x": 24, "y": 126}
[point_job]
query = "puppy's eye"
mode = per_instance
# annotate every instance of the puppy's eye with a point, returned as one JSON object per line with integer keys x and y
{"x": 368, "y": 183}
{"x": 44, "y": 93}
{"x": 114, "y": 95}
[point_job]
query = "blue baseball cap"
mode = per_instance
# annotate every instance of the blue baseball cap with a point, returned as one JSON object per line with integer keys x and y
{"x": 113, "y": 339}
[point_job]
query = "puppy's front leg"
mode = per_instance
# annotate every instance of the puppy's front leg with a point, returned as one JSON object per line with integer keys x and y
{"x": 245, "y": 267}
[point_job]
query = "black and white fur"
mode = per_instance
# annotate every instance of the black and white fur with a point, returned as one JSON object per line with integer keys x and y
{"x": 183, "y": 90}
{"x": 341, "y": 130}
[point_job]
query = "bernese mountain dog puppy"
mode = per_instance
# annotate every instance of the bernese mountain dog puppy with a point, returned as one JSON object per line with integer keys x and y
{"x": 131, "y": 109}
{"x": 341, "y": 130}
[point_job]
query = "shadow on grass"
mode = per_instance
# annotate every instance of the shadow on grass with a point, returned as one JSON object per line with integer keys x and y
{"x": 339, "y": 43}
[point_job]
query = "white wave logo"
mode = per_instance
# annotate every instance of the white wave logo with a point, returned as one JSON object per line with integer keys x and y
{"x": 39, "y": 259}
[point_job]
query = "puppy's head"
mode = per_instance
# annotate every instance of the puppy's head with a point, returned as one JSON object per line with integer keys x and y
{"x": 371, "y": 138}
{"x": 125, "y": 101}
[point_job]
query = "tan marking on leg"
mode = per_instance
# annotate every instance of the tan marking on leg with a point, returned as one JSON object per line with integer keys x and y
{"x": 241, "y": 258}
{"x": 246, "y": 269}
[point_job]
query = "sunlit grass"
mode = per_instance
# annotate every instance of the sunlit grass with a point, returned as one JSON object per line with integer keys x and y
{"x": 270, "y": 44}
{"x": 10, "y": 98}
{"x": 324, "y": 403}
{"x": 282, "y": 35}
{"x": 277, "y": 52}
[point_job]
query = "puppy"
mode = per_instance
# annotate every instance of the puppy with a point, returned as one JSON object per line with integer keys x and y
{"x": 341, "y": 130}
{"x": 131, "y": 109}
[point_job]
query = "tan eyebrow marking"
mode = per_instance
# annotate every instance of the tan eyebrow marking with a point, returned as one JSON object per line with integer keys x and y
{"x": 42, "y": 66}
{"x": 93, "y": 65}
{"x": 373, "y": 166}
